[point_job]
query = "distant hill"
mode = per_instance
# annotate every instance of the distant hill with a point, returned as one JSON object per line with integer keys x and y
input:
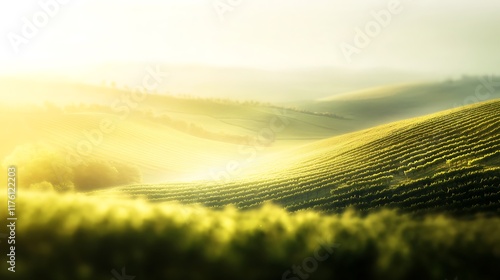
{"x": 279, "y": 85}
{"x": 379, "y": 105}
{"x": 167, "y": 137}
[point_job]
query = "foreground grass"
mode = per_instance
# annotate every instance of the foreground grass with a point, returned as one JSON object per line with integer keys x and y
{"x": 79, "y": 237}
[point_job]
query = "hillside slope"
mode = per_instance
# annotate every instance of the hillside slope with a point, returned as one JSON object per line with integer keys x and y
{"x": 445, "y": 162}
{"x": 215, "y": 114}
{"x": 379, "y": 105}
{"x": 166, "y": 146}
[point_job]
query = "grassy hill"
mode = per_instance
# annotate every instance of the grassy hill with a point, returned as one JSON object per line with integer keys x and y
{"x": 437, "y": 169}
{"x": 446, "y": 162}
{"x": 378, "y": 105}
{"x": 166, "y": 137}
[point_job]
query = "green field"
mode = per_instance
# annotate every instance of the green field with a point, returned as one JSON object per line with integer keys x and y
{"x": 442, "y": 163}
{"x": 168, "y": 138}
{"x": 189, "y": 188}
{"x": 249, "y": 140}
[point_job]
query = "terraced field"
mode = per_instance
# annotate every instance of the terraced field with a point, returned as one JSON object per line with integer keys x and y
{"x": 447, "y": 162}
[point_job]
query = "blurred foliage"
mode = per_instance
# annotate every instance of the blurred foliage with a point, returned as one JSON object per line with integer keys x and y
{"x": 45, "y": 168}
{"x": 68, "y": 236}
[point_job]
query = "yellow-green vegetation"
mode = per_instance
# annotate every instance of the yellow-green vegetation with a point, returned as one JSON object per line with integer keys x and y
{"x": 379, "y": 105}
{"x": 44, "y": 168}
{"x": 445, "y": 162}
{"x": 413, "y": 199}
{"x": 166, "y": 137}
{"x": 80, "y": 237}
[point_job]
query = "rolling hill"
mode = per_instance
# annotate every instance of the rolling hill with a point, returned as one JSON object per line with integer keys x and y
{"x": 168, "y": 138}
{"x": 437, "y": 169}
{"x": 172, "y": 138}
{"x": 448, "y": 162}
{"x": 346, "y": 112}
{"x": 378, "y": 105}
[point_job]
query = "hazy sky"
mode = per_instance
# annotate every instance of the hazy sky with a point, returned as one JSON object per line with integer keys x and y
{"x": 446, "y": 36}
